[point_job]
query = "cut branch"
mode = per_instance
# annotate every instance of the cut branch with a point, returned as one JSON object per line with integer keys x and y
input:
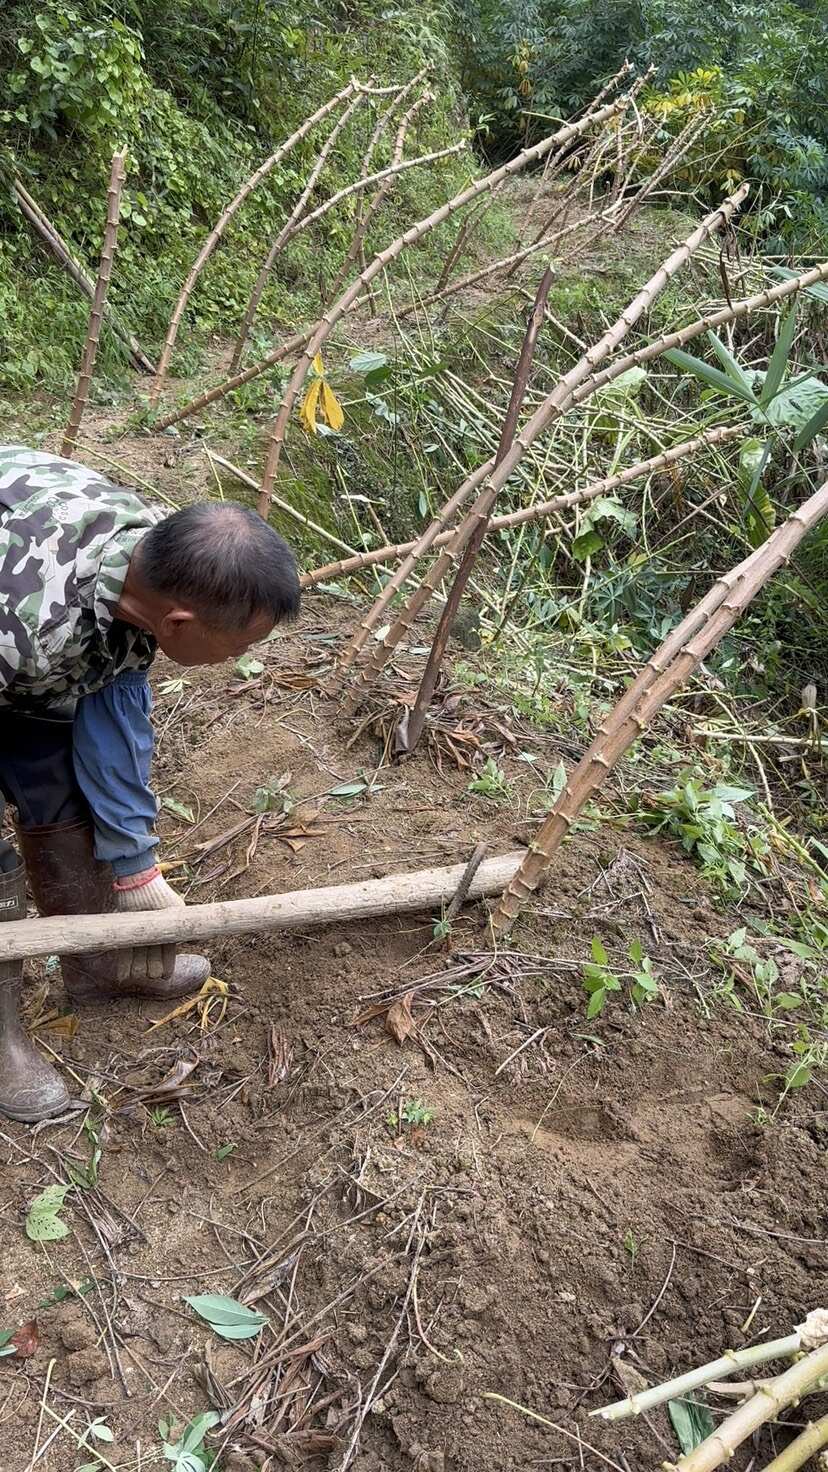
{"x": 234, "y": 206}
{"x": 728, "y": 1364}
{"x": 411, "y": 727}
{"x": 285, "y": 506}
{"x": 422, "y": 889}
{"x": 411, "y": 236}
{"x": 51, "y": 237}
{"x": 812, "y": 1439}
{"x": 493, "y": 479}
{"x": 668, "y": 669}
{"x": 287, "y": 229}
{"x": 93, "y": 335}
{"x": 538, "y": 512}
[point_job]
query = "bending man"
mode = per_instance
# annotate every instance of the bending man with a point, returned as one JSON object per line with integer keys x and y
{"x": 92, "y": 581}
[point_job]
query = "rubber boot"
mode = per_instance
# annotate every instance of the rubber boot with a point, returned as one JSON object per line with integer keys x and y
{"x": 67, "y": 879}
{"x": 30, "y": 1088}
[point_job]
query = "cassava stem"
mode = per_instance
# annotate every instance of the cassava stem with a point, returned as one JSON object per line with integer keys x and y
{"x": 668, "y": 669}
{"x": 93, "y": 335}
{"x": 411, "y": 236}
{"x": 554, "y": 405}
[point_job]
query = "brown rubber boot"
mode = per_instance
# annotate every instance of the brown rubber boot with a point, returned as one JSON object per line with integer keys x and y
{"x": 67, "y": 879}
{"x": 30, "y": 1088}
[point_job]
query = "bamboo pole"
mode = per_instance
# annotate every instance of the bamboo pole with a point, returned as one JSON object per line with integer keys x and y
{"x": 538, "y": 512}
{"x": 234, "y": 206}
{"x": 284, "y": 234}
{"x": 93, "y": 335}
{"x": 420, "y": 890}
{"x": 411, "y": 726}
{"x": 55, "y": 242}
{"x": 493, "y": 479}
{"x": 771, "y": 1397}
{"x": 411, "y": 236}
{"x": 664, "y": 673}
{"x": 366, "y": 216}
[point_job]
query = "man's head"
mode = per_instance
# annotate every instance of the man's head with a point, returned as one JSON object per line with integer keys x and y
{"x": 209, "y": 581}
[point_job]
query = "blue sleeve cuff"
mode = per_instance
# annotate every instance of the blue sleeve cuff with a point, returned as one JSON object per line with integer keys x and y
{"x": 135, "y": 863}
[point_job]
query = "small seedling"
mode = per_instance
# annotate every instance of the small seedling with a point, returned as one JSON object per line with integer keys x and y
{"x": 248, "y": 667}
{"x": 491, "y": 783}
{"x": 600, "y": 981}
{"x": 179, "y": 808}
{"x": 224, "y": 1150}
{"x": 274, "y": 797}
{"x": 415, "y": 1112}
{"x": 441, "y": 929}
{"x": 43, "y": 1223}
{"x": 188, "y": 1453}
{"x": 162, "y": 1118}
{"x": 631, "y": 1245}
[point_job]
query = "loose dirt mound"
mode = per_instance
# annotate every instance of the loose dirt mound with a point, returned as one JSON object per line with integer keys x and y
{"x": 509, "y": 1200}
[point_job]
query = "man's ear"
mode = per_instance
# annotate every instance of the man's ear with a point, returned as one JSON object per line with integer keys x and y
{"x": 174, "y": 622}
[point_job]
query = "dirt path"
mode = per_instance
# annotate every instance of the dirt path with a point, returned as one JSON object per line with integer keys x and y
{"x": 508, "y": 1200}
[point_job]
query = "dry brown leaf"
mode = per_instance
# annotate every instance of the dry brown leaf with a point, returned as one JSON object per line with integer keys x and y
{"x": 60, "y": 1025}
{"x": 399, "y": 1021}
{"x": 171, "y": 1086}
{"x": 214, "y": 992}
{"x": 25, "y": 1340}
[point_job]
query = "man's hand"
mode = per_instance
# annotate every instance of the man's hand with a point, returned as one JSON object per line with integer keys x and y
{"x": 148, "y": 890}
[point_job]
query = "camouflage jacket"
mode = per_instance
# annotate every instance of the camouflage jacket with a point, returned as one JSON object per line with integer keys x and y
{"x": 66, "y": 539}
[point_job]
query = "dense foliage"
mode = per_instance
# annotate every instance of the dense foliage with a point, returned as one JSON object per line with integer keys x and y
{"x": 757, "y": 67}
{"x": 199, "y": 91}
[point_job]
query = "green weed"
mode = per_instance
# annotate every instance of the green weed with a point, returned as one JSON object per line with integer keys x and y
{"x": 600, "y": 981}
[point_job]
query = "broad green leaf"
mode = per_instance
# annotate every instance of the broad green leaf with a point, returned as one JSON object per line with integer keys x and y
{"x": 586, "y": 545}
{"x": 812, "y": 428}
{"x": 733, "y": 794}
{"x": 179, "y": 808}
{"x": 596, "y": 1002}
{"x": 692, "y": 1423}
{"x": 626, "y": 386}
{"x": 760, "y": 516}
{"x": 348, "y": 789}
{"x": 43, "y": 1223}
{"x": 788, "y": 1001}
{"x": 368, "y": 362}
{"x": 227, "y": 1318}
{"x": 248, "y": 667}
{"x": 636, "y": 952}
{"x": 798, "y": 1075}
{"x": 797, "y": 403}
{"x": 712, "y": 377}
{"x": 198, "y": 1427}
{"x": 599, "y": 954}
{"x": 101, "y": 1431}
{"x": 732, "y": 368}
{"x": 779, "y": 356}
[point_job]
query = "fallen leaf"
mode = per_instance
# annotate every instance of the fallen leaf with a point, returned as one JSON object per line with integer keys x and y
{"x": 171, "y": 1086}
{"x": 331, "y": 407}
{"x": 61, "y": 1025}
{"x": 213, "y": 991}
{"x": 399, "y": 1021}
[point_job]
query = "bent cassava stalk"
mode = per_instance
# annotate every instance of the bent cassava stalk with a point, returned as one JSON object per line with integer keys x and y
{"x": 287, "y": 229}
{"x": 668, "y": 669}
{"x": 493, "y": 479}
{"x": 93, "y": 335}
{"x": 538, "y": 512}
{"x": 232, "y": 209}
{"x": 411, "y": 236}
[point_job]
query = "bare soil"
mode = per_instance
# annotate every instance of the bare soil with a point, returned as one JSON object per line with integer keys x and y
{"x": 595, "y": 1207}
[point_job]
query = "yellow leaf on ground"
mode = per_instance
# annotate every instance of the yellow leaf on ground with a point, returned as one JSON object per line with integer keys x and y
{"x": 331, "y": 407}
{"x": 307, "y": 413}
{"x": 214, "y": 992}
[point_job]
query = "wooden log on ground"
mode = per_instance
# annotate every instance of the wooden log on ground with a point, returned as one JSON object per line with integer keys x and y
{"x": 422, "y": 889}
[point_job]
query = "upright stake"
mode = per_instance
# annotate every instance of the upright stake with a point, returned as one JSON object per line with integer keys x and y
{"x": 410, "y": 728}
{"x": 669, "y": 668}
{"x": 93, "y": 335}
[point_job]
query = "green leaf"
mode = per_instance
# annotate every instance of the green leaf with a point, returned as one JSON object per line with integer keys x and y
{"x": 43, "y": 1223}
{"x": 224, "y": 1150}
{"x": 798, "y": 1075}
{"x": 692, "y": 1423}
{"x": 596, "y": 1002}
{"x": 818, "y": 292}
{"x": 226, "y": 1317}
{"x": 179, "y": 808}
{"x": 636, "y": 952}
{"x": 348, "y": 789}
{"x": 812, "y": 427}
{"x": 587, "y": 544}
{"x": 195, "y": 1432}
{"x": 779, "y": 356}
{"x": 101, "y": 1431}
{"x": 368, "y": 362}
{"x": 788, "y": 1000}
{"x": 760, "y": 516}
{"x": 797, "y": 403}
{"x": 248, "y": 667}
{"x": 732, "y": 368}
{"x": 712, "y": 377}
{"x": 626, "y": 386}
{"x": 599, "y": 954}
